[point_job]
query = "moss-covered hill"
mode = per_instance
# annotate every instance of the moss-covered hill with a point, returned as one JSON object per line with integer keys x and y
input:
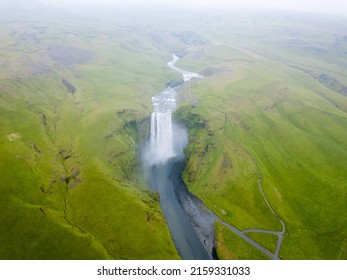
{"x": 272, "y": 107}
{"x": 270, "y": 115}
{"x": 73, "y": 99}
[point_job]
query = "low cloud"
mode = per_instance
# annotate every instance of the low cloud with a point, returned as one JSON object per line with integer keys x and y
{"x": 321, "y": 6}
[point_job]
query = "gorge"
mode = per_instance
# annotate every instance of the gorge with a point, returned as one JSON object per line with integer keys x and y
{"x": 163, "y": 154}
{"x": 190, "y": 221}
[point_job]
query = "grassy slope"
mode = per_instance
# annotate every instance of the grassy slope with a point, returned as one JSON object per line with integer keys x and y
{"x": 260, "y": 112}
{"x": 271, "y": 120}
{"x": 268, "y": 241}
{"x": 69, "y": 185}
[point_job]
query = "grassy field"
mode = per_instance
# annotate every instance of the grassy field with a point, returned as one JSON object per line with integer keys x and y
{"x": 70, "y": 186}
{"x": 74, "y": 101}
{"x": 266, "y": 114}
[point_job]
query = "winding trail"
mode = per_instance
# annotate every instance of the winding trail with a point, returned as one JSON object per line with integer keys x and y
{"x": 250, "y": 240}
{"x": 279, "y": 234}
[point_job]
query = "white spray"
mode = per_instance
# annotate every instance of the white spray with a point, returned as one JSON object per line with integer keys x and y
{"x": 167, "y": 139}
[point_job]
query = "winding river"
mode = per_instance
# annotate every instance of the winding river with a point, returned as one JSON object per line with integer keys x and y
{"x": 165, "y": 162}
{"x": 190, "y": 222}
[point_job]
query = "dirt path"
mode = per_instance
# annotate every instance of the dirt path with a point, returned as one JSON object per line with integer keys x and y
{"x": 250, "y": 240}
{"x": 242, "y": 234}
{"x": 280, "y": 234}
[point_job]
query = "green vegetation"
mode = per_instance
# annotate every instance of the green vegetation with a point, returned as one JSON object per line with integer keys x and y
{"x": 74, "y": 102}
{"x": 266, "y": 240}
{"x": 270, "y": 117}
{"x": 232, "y": 247}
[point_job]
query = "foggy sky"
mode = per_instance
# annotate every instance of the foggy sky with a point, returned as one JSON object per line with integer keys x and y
{"x": 321, "y": 6}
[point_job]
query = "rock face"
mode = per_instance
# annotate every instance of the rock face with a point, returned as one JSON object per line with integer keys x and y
{"x": 201, "y": 217}
{"x": 69, "y": 56}
{"x": 332, "y": 84}
{"x": 70, "y": 87}
{"x": 190, "y": 38}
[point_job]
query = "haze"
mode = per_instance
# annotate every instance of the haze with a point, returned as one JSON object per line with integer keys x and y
{"x": 338, "y": 7}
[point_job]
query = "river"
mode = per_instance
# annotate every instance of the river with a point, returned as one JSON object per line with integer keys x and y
{"x": 190, "y": 222}
{"x": 165, "y": 162}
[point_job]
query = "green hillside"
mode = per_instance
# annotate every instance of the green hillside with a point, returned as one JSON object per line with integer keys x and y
{"x": 267, "y": 131}
{"x": 267, "y": 115}
{"x": 72, "y": 101}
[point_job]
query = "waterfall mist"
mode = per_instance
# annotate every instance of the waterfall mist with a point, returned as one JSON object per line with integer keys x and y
{"x": 167, "y": 138}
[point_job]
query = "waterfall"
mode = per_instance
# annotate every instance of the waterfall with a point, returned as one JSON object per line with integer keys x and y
{"x": 166, "y": 139}
{"x": 161, "y": 139}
